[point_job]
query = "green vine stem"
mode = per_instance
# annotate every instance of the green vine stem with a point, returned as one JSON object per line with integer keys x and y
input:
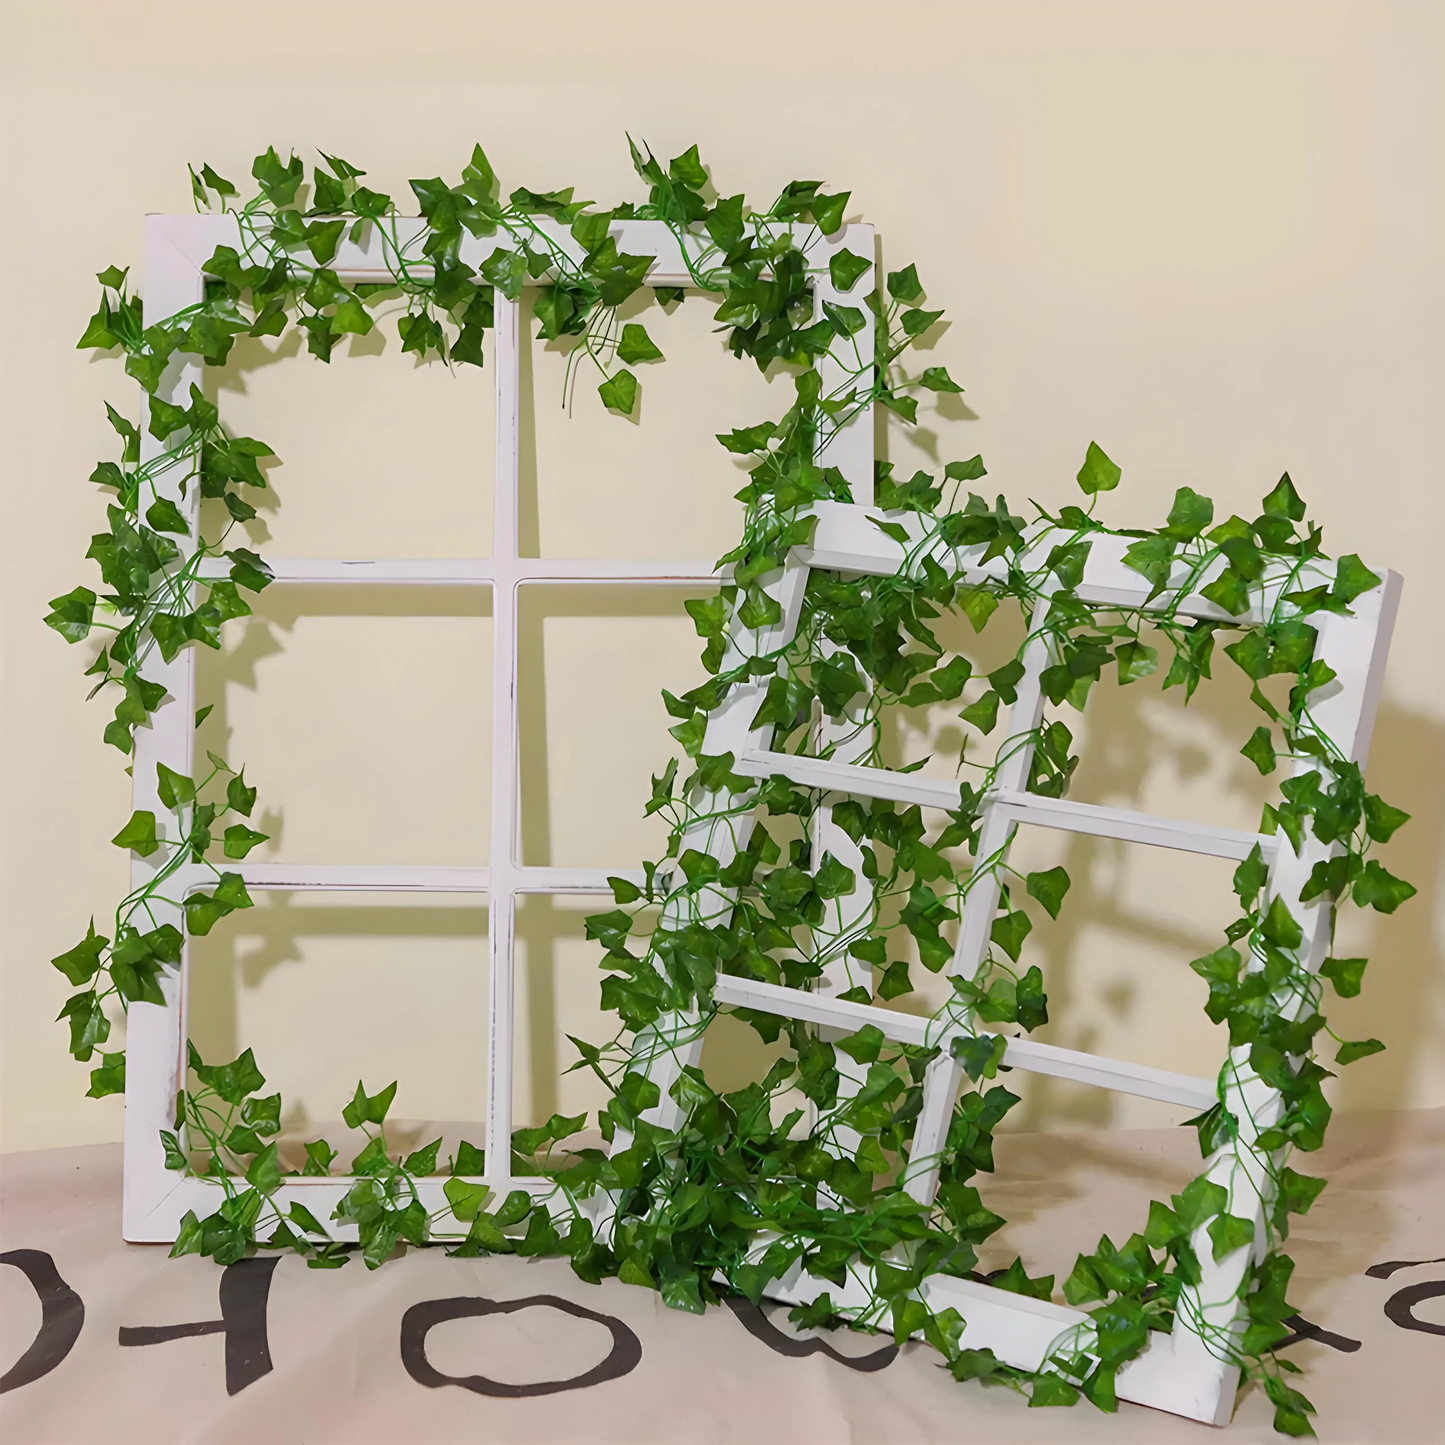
{"x": 743, "y": 1190}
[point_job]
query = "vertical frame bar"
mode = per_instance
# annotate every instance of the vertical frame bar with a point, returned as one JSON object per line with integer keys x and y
{"x": 502, "y": 860}
{"x": 155, "y": 1034}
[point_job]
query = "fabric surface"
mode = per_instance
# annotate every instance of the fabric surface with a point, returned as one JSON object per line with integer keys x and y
{"x": 103, "y": 1341}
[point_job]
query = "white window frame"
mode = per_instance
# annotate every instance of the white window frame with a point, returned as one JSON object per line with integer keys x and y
{"x": 1177, "y": 1372}
{"x": 176, "y": 249}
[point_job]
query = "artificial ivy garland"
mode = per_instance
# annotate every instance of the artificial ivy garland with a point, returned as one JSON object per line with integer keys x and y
{"x": 692, "y": 1204}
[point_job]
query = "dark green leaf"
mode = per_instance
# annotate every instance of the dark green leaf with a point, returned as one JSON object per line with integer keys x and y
{"x": 1358, "y": 1049}
{"x": 1049, "y": 888}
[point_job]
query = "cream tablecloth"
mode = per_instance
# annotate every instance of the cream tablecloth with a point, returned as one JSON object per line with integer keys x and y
{"x": 410, "y": 1353}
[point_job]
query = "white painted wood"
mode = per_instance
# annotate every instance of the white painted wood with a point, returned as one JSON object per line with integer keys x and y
{"x": 924, "y": 1032}
{"x": 348, "y": 878}
{"x": 506, "y": 809}
{"x": 154, "y": 1047}
{"x": 1117, "y": 823}
{"x": 477, "y": 572}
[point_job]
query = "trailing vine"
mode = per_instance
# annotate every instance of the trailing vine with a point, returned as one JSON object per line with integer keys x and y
{"x": 743, "y": 1189}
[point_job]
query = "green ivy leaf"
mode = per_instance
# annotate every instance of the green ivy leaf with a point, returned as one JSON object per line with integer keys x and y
{"x": 71, "y": 615}
{"x": 79, "y": 964}
{"x": 936, "y": 378}
{"x": 1284, "y": 501}
{"x": 109, "y": 1078}
{"x": 636, "y": 345}
{"x": 139, "y": 834}
{"x": 1344, "y": 973}
{"x": 239, "y": 796}
{"x": 1359, "y": 1049}
{"x": 1098, "y": 474}
{"x": 904, "y": 285}
{"x": 233, "y": 1081}
{"x": 368, "y": 1109}
{"x": 619, "y": 392}
{"x": 916, "y": 322}
{"x": 1229, "y": 1232}
{"x": 1379, "y": 889}
{"x": 239, "y": 840}
{"x": 1381, "y": 820}
{"x": 1190, "y": 515}
{"x": 1049, "y": 888}
{"x": 845, "y": 268}
{"x": 1260, "y": 749}
{"x": 1052, "y": 1389}
{"x": 264, "y": 1175}
{"x": 979, "y": 1054}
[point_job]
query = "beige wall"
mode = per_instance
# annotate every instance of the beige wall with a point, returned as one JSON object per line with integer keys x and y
{"x": 1207, "y": 235}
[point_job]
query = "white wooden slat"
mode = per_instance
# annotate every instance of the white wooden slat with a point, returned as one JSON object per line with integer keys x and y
{"x": 484, "y": 572}
{"x": 836, "y": 775}
{"x": 1129, "y": 827}
{"x": 350, "y": 878}
{"x": 923, "y": 1032}
{"x": 506, "y": 811}
{"x": 573, "y": 880}
{"x": 1024, "y": 1332}
{"x": 1058, "y": 813}
{"x": 155, "y": 1056}
{"x": 851, "y": 447}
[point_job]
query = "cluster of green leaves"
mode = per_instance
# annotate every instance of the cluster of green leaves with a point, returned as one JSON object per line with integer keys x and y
{"x": 130, "y": 967}
{"x": 736, "y": 1193}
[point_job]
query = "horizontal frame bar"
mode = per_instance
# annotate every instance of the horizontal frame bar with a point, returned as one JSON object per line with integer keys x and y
{"x": 1059, "y": 813}
{"x": 475, "y": 571}
{"x": 1019, "y": 1053}
{"x": 385, "y": 878}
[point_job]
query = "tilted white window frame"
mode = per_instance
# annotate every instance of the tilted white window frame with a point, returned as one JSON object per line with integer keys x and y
{"x": 1177, "y": 1372}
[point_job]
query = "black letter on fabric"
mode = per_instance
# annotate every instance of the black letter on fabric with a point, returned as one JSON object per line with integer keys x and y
{"x": 1400, "y": 1307}
{"x": 245, "y": 1287}
{"x": 420, "y": 1318}
{"x": 1305, "y": 1330}
{"x": 760, "y": 1327}
{"x": 1384, "y": 1271}
{"x": 62, "y": 1313}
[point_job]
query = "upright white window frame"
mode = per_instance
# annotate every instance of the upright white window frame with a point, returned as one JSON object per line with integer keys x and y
{"x": 176, "y": 249}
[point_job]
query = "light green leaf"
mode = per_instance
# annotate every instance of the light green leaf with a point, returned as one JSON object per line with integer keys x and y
{"x": 139, "y": 834}
{"x": 1098, "y": 474}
